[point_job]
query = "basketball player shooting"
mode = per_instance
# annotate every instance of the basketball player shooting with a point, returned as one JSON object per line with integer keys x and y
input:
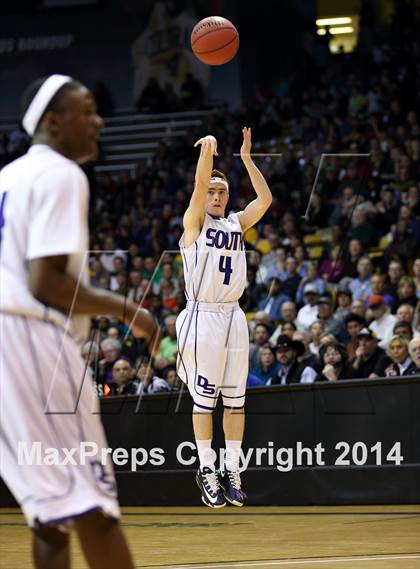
{"x": 46, "y": 393}
{"x": 213, "y": 340}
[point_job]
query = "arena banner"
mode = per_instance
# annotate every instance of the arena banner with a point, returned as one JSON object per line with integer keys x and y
{"x": 349, "y": 442}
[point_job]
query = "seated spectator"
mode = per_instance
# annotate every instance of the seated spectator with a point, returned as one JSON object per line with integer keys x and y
{"x": 166, "y": 355}
{"x": 260, "y": 338}
{"x": 316, "y": 331}
{"x": 293, "y": 278}
{"x": 402, "y": 364}
{"x": 254, "y": 292}
{"x": 90, "y": 353}
{"x": 377, "y": 286}
{"x": 301, "y": 256}
{"x": 310, "y": 279}
{"x": 360, "y": 287}
{"x": 168, "y": 294}
{"x": 288, "y": 322}
{"x": 309, "y": 312}
{"x": 355, "y": 251}
{"x": 358, "y": 307}
{"x": 331, "y": 270}
{"x": 404, "y": 330}
{"x": 354, "y": 324}
{"x": 274, "y": 300}
{"x": 308, "y": 358}
{"x": 291, "y": 371}
{"x": 275, "y": 263}
{"x": 416, "y": 273}
{"x": 334, "y": 363}
{"x": 254, "y": 381}
{"x": 370, "y": 360}
{"x": 362, "y": 228}
{"x": 344, "y": 299}
{"x": 405, "y": 312}
{"x": 414, "y": 349}
{"x": 383, "y": 322}
{"x": 124, "y": 382}
{"x": 111, "y": 350}
{"x": 286, "y": 328}
{"x": 325, "y": 315}
{"x": 405, "y": 242}
{"x": 172, "y": 379}
{"x": 136, "y": 291}
{"x": 267, "y": 366}
{"x": 130, "y": 346}
{"x": 406, "y": 292}
{"x": 260, "y": 317}
{"x": 149, "y": 383}
{"x": 395, "y": 272}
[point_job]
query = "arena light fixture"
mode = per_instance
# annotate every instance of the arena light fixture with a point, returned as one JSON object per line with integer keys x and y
{"x": 334, "y": 21}
{"x": 321, "y": 31}
{"x": 342, "y": 30}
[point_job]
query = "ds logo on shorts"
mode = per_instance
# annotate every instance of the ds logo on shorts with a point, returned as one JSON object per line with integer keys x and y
{"x": 208, "y": 388}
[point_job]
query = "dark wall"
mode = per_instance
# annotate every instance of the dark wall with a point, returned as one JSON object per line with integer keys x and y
{"x": 358, "y": 414}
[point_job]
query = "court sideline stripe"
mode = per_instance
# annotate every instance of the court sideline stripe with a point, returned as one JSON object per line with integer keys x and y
{"x": 244, "y": 514}
{"x": 274, "y": 562}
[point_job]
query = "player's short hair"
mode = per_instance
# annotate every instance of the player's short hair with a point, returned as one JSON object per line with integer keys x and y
{"x": 218, "y": 174}
{"x": 56, "y": 103}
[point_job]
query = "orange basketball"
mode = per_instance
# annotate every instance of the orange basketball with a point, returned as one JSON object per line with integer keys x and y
{"x": 215, "y": 40}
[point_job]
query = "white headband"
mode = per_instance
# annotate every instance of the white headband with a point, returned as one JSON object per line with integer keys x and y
{"x": 41, "y": 100}
{"x": 217, "y": 180}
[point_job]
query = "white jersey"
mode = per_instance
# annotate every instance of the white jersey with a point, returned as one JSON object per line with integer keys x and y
{"x": 215, "y": 264}
{"x": 43, "y": 212}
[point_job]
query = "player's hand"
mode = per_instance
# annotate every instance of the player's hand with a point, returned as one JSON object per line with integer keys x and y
{"x": 246, "y": 143}
{"x": 208, "y": 143}
{"x": 143, "y": 325}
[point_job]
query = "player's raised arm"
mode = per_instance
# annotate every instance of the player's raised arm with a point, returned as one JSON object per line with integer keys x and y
{"x": 194, "y": 216}
{"x": 257, "y": 208}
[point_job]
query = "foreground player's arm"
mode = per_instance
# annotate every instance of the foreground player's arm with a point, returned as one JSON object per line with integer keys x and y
{"x": 194, "y": 216}
{"x": 257, "y": 208}
{"x": 53, "y": 286}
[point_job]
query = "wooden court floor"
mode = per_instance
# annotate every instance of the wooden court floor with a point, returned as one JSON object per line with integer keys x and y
{"x": 353, "y": 537}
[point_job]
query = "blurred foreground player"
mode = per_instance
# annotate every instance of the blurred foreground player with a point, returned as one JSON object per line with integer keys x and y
{"x": 213, "y": 340}
{"x": 43, "y": 278}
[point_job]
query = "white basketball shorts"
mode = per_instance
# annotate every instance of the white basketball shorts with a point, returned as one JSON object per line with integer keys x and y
{"x": 48, "y": 402}
{"x": 213, "y": 347}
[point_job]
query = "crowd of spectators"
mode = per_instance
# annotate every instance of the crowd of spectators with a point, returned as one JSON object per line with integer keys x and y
{"x": 330, "y": 295}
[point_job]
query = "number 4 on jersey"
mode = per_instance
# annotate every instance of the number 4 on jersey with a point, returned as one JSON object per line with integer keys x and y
{"x": 225, "y": 267}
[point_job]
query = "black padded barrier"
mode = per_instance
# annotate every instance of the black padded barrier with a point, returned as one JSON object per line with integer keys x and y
{"x": 366, "y": 418}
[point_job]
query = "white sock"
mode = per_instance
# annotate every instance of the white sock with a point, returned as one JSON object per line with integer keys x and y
{"x": 206, "y": 454}
{"x": 232, "y": 454}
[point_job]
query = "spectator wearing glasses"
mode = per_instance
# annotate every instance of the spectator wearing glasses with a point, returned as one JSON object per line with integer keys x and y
{"x": 334, "y": 364}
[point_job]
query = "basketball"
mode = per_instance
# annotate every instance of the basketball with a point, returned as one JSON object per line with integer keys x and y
{"x": 215, "y": 40}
